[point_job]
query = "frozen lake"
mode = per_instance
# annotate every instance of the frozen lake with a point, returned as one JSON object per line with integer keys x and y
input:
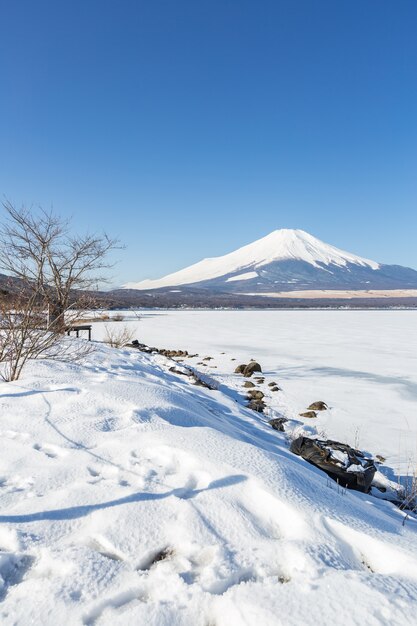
{"x": 363, "y": 364}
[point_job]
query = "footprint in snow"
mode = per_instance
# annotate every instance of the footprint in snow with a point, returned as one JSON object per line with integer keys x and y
{"x": 112, "y": 476}
{"x": 13, "y": 567}
{"x": 49, "y": 450}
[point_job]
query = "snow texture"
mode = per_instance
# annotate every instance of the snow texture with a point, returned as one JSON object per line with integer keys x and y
{"x": 131, "y": 496}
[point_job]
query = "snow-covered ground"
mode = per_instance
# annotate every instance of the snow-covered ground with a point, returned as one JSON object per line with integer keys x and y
{"x": 131, "y": 496}
{"x": 362, "y": 363}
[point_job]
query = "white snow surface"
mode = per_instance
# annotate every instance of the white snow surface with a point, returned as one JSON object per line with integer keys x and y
{"x": 244, "y": 276}
{"x": 283, "y": 244}
{"x": 112, "y": 463}
{"x": 362, "y": 363}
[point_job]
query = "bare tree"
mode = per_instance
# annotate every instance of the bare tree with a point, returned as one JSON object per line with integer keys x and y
{"x": 38, "y": 249}
{"x": 50, "y": 270}
{"x": 23, "y": 335}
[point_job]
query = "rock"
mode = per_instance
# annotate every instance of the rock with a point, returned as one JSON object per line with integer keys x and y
{"x": 208, "y": 358}
{"x": 272, "y": 384}
{"x": 171, "y": 353}
{"x": 240, "y": 368}
{"x": 174, "y": 370}
{"x": 248, "y": 384}
{"x": 233, "y": 359}
{"x": 349, "y": 467}
{"x": 251, "y": 368}
{"x": 256, "y": 394}
{"x": 161, "y": 555}
{"x": 201, "y": 383}
{"x": 278, "y": 423}
{"x": 275, "y": 389}
{"x": 259, "y": 379}
{"x": 318, "y": 406}
{"x": 143, "y": 347}
{"x": 257, "y": 405}
{"x": 380, "y": 458}
{"x": 308, "y": 414}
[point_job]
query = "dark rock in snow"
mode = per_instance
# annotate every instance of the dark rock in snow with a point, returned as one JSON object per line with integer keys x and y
{"x": 175, "y": 370}
{"x": 247, "y": 384}
{"x": 240, "y": 368}
{"x": 256, "y": 394}
{"x": 251, "y": 368}
{"x": 161, "y": 555}
{"x": 308, "y": 414}
{"x": 318, "y": 406}
{"x": 278, "y": 423}
{"x": 257, "y": 405}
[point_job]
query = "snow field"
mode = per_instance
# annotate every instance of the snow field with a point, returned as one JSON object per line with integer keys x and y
{"x": 363, "y": 364}
{"x": 129, "y": 496}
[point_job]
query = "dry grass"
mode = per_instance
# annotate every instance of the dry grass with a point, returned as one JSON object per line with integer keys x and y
{"x": 118, "y": 337}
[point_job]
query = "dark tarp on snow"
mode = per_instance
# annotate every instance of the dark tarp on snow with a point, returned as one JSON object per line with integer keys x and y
{"x": 349, "y": 467}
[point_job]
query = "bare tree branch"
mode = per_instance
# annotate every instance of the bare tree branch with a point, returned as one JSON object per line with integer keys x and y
{"x": 54, "y": 271}
{"x": 38, "y": 249}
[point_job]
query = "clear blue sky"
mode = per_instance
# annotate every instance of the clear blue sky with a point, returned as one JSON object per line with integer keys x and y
{"x": 191, "y": 127}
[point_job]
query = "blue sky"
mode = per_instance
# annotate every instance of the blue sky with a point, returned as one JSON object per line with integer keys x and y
{"x": 190, "y": 128}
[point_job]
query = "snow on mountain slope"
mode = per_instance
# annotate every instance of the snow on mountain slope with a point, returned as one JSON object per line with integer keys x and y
{"x": 280, "y": 245}
{"x": 130, "y": 496}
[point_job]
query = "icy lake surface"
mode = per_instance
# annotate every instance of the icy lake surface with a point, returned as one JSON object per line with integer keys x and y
{"x": 362, "y": 363}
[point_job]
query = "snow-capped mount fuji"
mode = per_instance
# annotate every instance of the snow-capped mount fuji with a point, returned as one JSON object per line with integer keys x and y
{"x": 285, "y": 260}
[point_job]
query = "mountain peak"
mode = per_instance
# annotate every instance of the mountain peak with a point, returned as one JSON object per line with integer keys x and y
{"x": 285, "y": 244}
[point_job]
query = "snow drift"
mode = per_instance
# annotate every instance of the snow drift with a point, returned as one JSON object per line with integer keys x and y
{"x": 130, "y": 496}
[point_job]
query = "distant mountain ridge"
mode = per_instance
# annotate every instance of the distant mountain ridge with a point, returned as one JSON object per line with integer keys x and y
{"x": 285, "y": 260}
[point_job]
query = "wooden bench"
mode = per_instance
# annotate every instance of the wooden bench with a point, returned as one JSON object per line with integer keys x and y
{"x": 76, "y": 329}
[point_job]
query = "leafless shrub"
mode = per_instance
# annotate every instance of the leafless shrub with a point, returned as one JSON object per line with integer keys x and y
{"x": 118, "y": 337}
{"x": 407, "y": 490}
{"x": 52, "y": 274}
{"x": 38, "y": 249}
{"x": 24, "y": 336}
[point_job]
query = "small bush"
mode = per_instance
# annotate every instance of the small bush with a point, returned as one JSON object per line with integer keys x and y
{"x": 118, "y": 337}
